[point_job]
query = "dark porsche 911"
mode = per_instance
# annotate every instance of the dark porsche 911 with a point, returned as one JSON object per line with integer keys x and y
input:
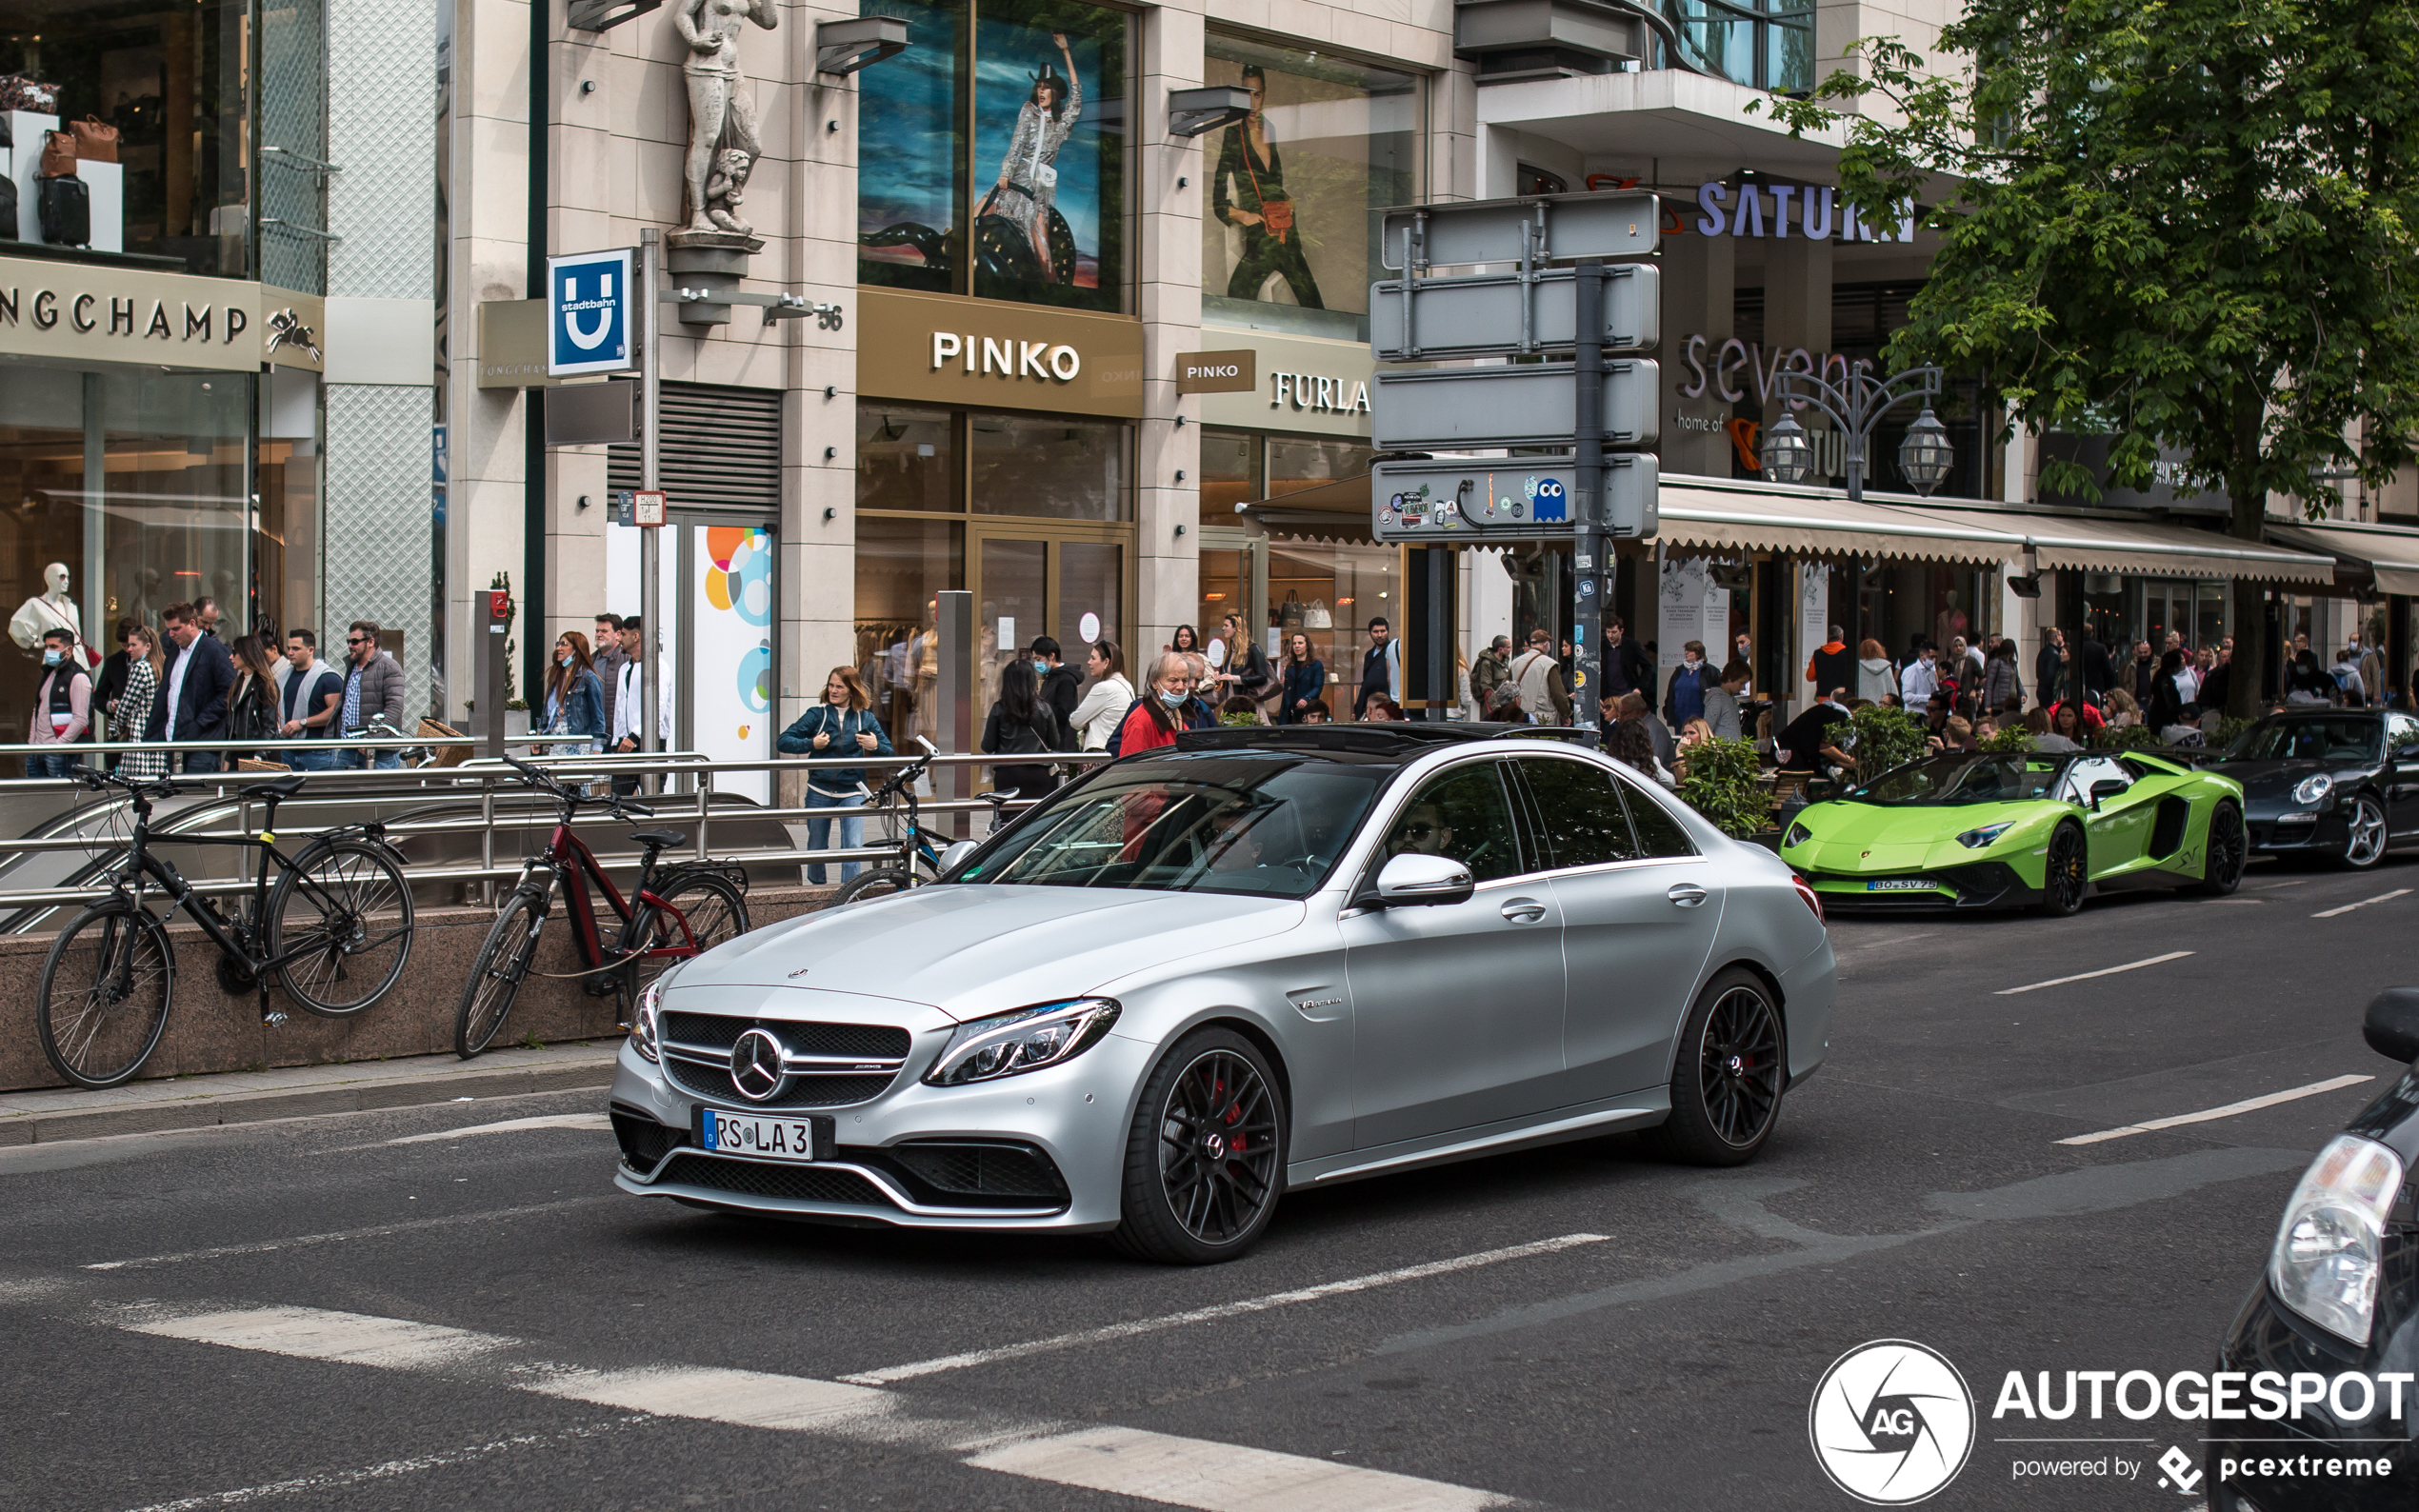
{"x": 2338, "y": 782}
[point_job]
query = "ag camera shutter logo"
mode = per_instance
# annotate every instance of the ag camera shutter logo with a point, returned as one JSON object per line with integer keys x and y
{"x": 588, "y": 305}
{"x": 1891, "y": 1423}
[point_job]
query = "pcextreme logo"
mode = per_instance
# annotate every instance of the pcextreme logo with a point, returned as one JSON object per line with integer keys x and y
{"x": 1891, "y": 1422}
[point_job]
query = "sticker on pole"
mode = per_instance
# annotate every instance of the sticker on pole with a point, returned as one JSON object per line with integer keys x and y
{"x": 647, "y": 507}
{"x": 590, "y": 304}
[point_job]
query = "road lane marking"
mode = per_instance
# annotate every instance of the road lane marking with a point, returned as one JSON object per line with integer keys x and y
{"x": 2248, "y": 1104}
{"x": 2085, "y": 976}
{"x": 1231, "y": 1309}
{"x": 592, "y": 1121}
{"x": 1222, "y": 1477}
{"x": 2383, "y": 897}
{"x": 374, "y": 1231}
{"x": 1182, "y": 1472}
{"x": 338, "y": 1479}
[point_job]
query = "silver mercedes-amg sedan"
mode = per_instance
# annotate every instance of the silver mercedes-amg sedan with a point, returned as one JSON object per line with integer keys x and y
{"x": 1261, "y": 960}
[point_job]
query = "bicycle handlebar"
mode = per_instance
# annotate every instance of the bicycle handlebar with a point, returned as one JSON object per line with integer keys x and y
{"x": 94, "y": 778}
{"x": 546, "y": 782}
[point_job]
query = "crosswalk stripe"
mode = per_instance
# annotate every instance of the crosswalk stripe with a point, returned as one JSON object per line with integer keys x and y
{"x": 1222, "y": 1477}
{"x": 1192, "y": 1473}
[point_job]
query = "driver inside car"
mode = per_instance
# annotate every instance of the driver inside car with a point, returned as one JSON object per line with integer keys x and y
{"x": 1421, "y": 831}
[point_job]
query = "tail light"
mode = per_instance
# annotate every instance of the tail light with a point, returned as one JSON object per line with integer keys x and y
{"x": 1813, "y": 899}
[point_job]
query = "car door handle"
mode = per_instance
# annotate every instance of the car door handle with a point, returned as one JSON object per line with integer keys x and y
{"x": 1523, "y": 910}
{"x": 1686, "y": 894}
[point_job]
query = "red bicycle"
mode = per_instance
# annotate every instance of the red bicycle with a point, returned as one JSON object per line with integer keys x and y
{"x": 673, "y": 913}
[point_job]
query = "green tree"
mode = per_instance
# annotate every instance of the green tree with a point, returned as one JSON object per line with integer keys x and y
{"x": 2183, "y": 222}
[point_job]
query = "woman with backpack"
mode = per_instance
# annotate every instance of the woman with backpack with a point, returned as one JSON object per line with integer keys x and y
{"x": 1304, "y": 680}
{"x": 842, "y": 725}
{"x": 1021, "y": 724}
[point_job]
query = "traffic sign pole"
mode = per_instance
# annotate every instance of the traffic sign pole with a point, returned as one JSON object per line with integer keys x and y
{"x": 650, "y": 478}
{"x": 1588, "y": 431}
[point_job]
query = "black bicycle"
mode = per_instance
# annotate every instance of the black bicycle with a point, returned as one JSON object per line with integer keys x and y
{"x": 335, "y": 932}
{"x": 671, "y": 914}
{"x": 919, "y": 849}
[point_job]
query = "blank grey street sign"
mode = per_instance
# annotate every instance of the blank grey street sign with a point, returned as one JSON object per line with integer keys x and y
{"x": 1616, "y": 225}
{"x": 1505, "y": 498}
{"x": 1415, "y": 318}
{"x": 1522, "y": 404}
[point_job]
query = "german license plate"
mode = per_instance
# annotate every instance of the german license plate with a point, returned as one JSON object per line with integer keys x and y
{"x": 805, "y": 1137}
{"x": 1900, "y": 885}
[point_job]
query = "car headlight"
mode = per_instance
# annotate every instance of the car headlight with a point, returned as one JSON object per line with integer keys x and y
{"x": 1798, "y": 835}
{"x": 1976, "y": 838}
{"x": 2327, "y": 1254}
{"x": 643, "y": 1036}
{"x": 2312, "y": 789}
{"x": 1027, "y": 1040}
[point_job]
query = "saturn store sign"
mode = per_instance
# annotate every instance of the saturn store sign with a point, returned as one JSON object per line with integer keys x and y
{"x": 947, "y": 350}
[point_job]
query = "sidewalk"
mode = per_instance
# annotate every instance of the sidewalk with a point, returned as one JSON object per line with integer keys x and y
{"x": 54, "y": 1114}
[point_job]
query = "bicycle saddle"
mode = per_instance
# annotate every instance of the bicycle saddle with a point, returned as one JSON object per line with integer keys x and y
{"x": 658, "y": 839}
{"x": 282, "y": 788}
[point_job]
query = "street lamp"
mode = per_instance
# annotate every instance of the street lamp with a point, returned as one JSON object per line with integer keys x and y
{"x": 1787, "y": 455}
{"x": 1926, "y": 456}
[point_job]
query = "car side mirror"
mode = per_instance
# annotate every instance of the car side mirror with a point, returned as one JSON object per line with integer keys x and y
{"x": 2391, "y": 1026}
{"x": 957, "y": 853}
{"x": 2108, "y": 788}
{"x": 1415, "y": 881}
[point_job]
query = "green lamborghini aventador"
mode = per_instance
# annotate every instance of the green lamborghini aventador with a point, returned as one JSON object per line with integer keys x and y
{"x": 1998, "y": 829}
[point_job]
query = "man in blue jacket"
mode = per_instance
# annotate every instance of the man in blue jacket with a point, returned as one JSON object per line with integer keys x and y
{"x": 192, "y": 700}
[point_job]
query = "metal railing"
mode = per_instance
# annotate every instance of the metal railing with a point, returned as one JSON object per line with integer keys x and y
{"x": 679, "y": 787}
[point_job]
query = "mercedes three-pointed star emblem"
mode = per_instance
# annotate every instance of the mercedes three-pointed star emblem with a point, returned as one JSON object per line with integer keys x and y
{"x": 755, "y": 1067}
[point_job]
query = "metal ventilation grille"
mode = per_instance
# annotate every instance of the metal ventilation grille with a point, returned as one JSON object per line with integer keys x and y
{"x": 722, "y": 449}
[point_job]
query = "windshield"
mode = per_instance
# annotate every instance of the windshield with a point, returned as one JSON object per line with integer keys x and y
{"x": 2307, "y": 739}
{"x": 1264, "y": 823}
{"x": 1965, "y": 777}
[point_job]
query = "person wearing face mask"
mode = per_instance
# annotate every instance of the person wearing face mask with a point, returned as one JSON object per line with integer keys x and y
{"x": 1684, "y": 696}
{"x": 1062, "y": 688}
{"x": 61, "y": 705}
{"x": 574, "y": 699}
{"x": 1158, "y": 716}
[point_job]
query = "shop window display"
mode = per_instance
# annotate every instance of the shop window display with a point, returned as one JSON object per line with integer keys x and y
{"x": 1052, "y": 467}
{"x": 1008, "y": 117}
{"x": 907, "y": 459}
{"x": 162, "y": 92}
{"x": 902, "y": 566}
{"x": 1289, "y": 243}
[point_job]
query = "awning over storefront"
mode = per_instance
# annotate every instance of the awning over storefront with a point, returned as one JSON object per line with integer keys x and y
{"x": 1331, "y": 511}
{"x": 2389, "y": 553}
{"x": 2150, "y": 548}
{"x": 1809, "y": 522}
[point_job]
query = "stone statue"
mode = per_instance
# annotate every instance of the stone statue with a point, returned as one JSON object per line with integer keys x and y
{"x": 52, "y": 611}
{"x": 723, "y": 145}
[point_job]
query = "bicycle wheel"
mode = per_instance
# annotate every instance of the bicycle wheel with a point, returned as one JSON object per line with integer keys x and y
{"x": 716, "y": 912}
{"x": 880, "y": 883}
{"x": 340, "y": 918}
{"x": 103, "y": 1001}
{"x": 495, "y": 976}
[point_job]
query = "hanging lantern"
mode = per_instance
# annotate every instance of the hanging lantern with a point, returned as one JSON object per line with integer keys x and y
{"x": 1926, "y": 456}
{"x": 1787, "y": 455}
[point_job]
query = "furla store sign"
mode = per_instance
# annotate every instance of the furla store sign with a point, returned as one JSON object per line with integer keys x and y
{"x": 945, "y": 350}
{"x": 1307, "y": 384}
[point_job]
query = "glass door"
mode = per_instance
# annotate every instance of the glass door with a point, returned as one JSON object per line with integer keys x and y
{"x": 1069, "y": 581}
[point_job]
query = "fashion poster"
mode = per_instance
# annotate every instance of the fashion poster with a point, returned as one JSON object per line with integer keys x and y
{"x": 1045, "y": 212}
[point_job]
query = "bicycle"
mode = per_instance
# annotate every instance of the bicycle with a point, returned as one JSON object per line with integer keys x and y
{"x": 919, "y": 849}
{"x": 336, "y": 932}
{"x": 700, "y": 903}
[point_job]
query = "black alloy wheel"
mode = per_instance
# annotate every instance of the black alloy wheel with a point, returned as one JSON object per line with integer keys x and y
{"x": 1729, "y": 1073}
{"x": 2364, "y": 833}
{"x": 2066, "y": 875}
{"x": 2228, "y": 852}
{"x": 1205, "y": 1162}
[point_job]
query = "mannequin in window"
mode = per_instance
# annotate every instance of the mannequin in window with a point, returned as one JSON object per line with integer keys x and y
{"x": 1247, "y": 191}
{"x": 49, "y": 611}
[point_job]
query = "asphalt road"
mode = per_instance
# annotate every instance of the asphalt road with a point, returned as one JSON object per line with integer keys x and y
{"x": 347, "y": 1312}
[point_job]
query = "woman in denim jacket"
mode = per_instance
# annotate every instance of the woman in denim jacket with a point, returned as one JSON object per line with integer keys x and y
{"x": 574, "y": 699}
{"x": 842, "y": 725}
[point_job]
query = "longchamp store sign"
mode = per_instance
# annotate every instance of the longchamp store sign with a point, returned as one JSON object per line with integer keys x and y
{"x": 88, "y": 312}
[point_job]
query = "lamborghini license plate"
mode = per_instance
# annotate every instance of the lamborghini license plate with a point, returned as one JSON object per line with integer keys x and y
{"x": 1900, "y": 885}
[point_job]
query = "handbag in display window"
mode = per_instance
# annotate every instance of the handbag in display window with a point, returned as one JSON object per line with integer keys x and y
{"x": 65, "y": 209}
{"x": 95, "y": 139}
{"x": 1289, "y": 613}
{"x": 58, "y": 154}
{"x": 1316, "y": 617}
{"x": 8, "y": 208}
